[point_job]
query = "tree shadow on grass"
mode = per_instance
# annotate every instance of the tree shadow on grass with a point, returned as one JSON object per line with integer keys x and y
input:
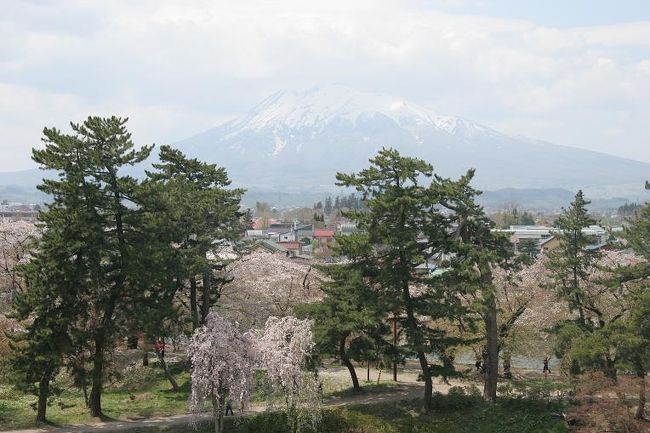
{"x": 107, "y": 418}
{"x": 368, "y": 388}
{"x": 387, "y": 410}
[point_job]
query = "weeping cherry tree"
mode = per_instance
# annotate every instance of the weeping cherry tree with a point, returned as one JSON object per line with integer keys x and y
{"x": 222, "y": 367}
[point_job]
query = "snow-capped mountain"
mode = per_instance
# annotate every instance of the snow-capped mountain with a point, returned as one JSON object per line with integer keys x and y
{"x": 298, "y": 141}
{"x": 319, "y": 107}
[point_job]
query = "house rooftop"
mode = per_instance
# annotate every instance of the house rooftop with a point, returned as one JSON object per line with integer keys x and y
{"x": 323, "y": 233}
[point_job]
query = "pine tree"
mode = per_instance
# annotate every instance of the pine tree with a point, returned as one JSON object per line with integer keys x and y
{"x": 637, "y": 235}
{"x": 528, "y": 248}
{"x": 571, "y": 263}
{"x": 403, "y": 226}
{"x": 203, "y": 215}
{"x": 349, "y": 311}
{"x": 637, "y": 232}
{"x": 39, "y": 350}
{"x": 476, "y": 251}
{"x": 94, "y": 217}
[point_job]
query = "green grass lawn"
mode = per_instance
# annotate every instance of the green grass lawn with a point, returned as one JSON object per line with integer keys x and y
{"x": 507, "y": 416}
{"x": 146, "y": 393}
{"x": 143, "y": 393}
{"x": 450, "y": 416}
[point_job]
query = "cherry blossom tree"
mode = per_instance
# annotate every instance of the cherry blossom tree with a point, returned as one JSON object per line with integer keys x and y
{"x": 15, "y": 238}
{"x": 284, "y": 349}
{"x": 264, "y": 284}
{"x": 222, "y": 367}
{"x": 223, "y": 360}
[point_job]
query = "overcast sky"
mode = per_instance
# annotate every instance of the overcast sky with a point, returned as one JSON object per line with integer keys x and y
{"x": 571, "y": 72}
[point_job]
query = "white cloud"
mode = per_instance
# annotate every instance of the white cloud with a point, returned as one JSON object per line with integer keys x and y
{"x": 177, "y": 67}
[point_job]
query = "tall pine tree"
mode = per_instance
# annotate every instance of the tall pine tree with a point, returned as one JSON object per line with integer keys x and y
{"x": 475, "y": 252}
{"x": 572, "y": 262}
{"x": 94, "y": 205}
{"x": 403, "y": 226}
{"x": 202, "y": 215}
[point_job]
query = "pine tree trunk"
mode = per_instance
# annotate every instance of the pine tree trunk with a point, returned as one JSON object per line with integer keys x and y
{"x": 507, "y": 363}
{"x": 194, "y": 304}
{"x": 492, "y": 345}
{"x": 95, "y": 400}
{"x": 346, "y": 361}
{"x": 610, "y": 368}
{"x": 640, "y": 410}
{"x": 428, "y": 382}
{"x": 412, "y": 329}
{"x": 43, "y": 393}
{"x": 395, "y": 344}
{"x": 145, "y": 357}
{"x": 132, "y": 342}
{"x": 168, "y": 373}
{"x": 205, "y": 301}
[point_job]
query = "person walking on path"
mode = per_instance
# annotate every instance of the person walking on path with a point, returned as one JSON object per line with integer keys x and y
{"x": 545, "y": 369}
{"x": 229, "y": 408}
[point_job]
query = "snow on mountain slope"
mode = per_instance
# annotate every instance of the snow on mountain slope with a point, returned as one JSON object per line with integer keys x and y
{"x": 318, "y": 107}
{"x": 300, "y": 140}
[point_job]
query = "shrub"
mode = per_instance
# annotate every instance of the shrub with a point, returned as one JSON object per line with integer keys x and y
{"x": 457, "y": 397}
{"x": 137, "y": 378}
{"x": 534, "y": 389}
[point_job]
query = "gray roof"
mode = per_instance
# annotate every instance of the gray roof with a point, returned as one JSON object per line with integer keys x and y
{"x": 271, "y": 246}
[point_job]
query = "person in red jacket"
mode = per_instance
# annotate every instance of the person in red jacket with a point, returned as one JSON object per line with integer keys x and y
{"x": 160, "y": 347}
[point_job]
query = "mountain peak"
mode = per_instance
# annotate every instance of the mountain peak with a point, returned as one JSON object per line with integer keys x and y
{"x": 299, "y": 140}
{"x": 319, "y": 106}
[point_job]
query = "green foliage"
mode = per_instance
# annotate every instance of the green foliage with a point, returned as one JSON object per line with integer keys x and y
{"x": 349, "y": 323}
{"x": 88, "y": 270}
{"x": 457, "y": 397}
{"x": 629, "y": 209}
{"x": 457, "y": 413}
{"x": 528, "y": 247}
{"x": 200, "y": 213}
{"x": 152, "y": 399}
{"x": 137, "y": 378}
{"x": 637, "y": 232}
{"x": 263, "y": 390}
{"x": 411, "y": 216}
{"x": 350, "y": 307}
{"x": 535, "y": 389}
{"x": 572, "y": 263}
{"x": 506, "y": 218}
{"x": 621, "y": 342}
